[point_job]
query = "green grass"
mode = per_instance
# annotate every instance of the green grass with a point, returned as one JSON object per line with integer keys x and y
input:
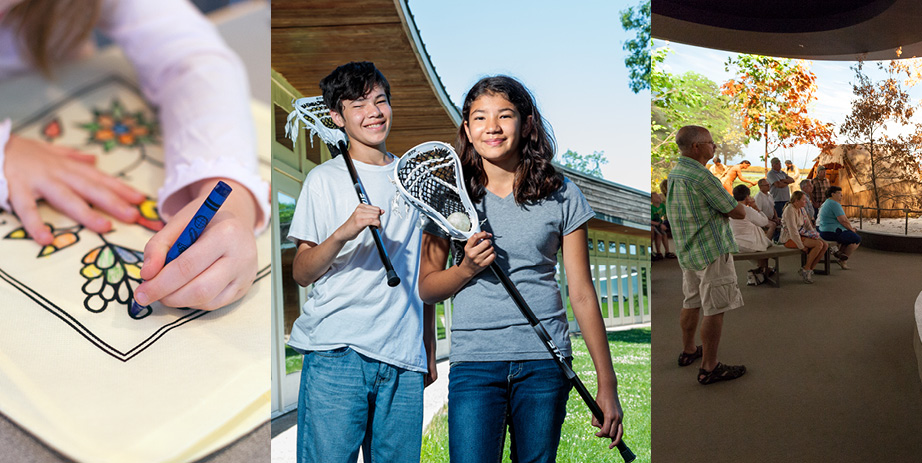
{"x": 578, "y": 444}
{"x": 293, "y": 360}
{"x": 626, "y": 310}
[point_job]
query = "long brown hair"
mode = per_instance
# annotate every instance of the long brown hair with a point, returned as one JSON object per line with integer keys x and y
{"x": 51, "y": 30}
{"x": 535, "y": 176}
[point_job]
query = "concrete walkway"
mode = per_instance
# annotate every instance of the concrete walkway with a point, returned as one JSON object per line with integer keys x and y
{"x": 832, "y": 375}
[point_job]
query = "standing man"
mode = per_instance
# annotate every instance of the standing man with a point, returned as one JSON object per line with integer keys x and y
{"x": 820, "y": 185}
{"x": 733, "y": 173}
{"x": 698, "y": 208}
{"x": 779, "y": 181}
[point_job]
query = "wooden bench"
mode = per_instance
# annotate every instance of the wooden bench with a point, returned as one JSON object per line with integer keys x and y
{"x": 773, "y": 253}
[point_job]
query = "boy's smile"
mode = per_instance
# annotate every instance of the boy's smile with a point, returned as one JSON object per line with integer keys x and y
{"x": 366, "y": 120}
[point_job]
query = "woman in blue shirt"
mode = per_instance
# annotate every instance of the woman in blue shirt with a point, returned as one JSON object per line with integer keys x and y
{"x": 834, "y": 226}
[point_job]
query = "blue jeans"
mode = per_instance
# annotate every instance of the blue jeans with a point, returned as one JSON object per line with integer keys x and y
{"x": 843, "y": 237}
{"x": 348, "y": 400}
{"x": 483, "y": 397}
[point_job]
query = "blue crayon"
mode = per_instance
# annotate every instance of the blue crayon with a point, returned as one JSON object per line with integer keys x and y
{"x": 193, "y": 230}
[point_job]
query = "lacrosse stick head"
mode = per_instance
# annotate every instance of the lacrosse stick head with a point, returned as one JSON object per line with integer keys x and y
{"x": 314, "y": 114}
{"x": 429, "y": 177}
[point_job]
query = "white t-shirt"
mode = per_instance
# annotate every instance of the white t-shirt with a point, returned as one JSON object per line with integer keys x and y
{"x": 198, "y": 84}
{"x": 748, "y": 232}
{"x": 351, "y": 305}
{"x": 766, "y": 204}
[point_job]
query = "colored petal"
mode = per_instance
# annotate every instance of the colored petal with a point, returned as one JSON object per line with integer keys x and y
{"x": 46, "y": 250}
{"x": 104, "y": 135}
{"x": 152, "y": 225}
{"x": 90, "y": 271}
{"x": 106, "y": 258}
{"x": 133, "y": 272}
{"x": 64, "y": 240}
{"x": 126, "y": 139}
{"x": 127, "y": 255}
{"x": 91, "y": 257}
{"x": 18, "y": 234}
{"x": 148, "y": 209}
{"x": 115, "y": 274}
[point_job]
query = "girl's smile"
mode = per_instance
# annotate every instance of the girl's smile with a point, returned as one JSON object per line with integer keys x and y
{"x": 494, "y": 129}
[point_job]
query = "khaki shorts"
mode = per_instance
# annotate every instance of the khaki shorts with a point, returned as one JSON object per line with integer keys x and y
{"x": 713, "y": 289}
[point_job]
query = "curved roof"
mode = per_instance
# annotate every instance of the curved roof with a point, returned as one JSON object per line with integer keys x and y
{"x": 310, "y": 38}
{"x": 817, "y": 29}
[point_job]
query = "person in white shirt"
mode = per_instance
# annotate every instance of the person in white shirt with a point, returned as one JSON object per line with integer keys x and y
{"x": 766, "y": 204}
{"x": 200, "y": 89}
{"x": 752, "y": 233}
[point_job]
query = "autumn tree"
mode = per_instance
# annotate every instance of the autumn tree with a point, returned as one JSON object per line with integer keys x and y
{"x": 894, "y": 153}
{"x": 677, "y": 100}
{"x": 638, "y": 60}
{"x": 773, "y": 96}
{"x": 588, "y": 164}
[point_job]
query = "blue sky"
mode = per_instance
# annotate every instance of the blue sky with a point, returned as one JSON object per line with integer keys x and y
{"x": 834, "y": 91}
{"x": 571, "y": 58}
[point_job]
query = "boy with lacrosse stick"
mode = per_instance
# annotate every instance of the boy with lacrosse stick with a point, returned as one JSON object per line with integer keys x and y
{"x": 367, "y": 347}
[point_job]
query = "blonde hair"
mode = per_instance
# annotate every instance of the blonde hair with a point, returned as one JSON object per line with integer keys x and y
{"x": 795, "y": 196}
{"x": 52, "y": 30}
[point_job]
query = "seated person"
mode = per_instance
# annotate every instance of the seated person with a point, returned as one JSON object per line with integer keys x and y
{"x": 753, "y": 233}
{"x": 797, "y": 231}
{"x": 806, "y": 185}
{"x": 658, "y": 229}
{"x": 766, "y": 205}
{"x": 834, "y": 226}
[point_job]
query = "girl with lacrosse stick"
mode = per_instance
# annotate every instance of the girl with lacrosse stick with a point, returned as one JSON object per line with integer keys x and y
{"x": 201, "y": 91}
{"x": 501, "y": 373}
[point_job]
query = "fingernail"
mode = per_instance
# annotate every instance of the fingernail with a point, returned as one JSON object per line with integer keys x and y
{"x": 141, "y": 298}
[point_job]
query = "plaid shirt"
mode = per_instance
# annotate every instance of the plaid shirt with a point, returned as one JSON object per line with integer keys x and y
{"x": 819, "y": 190}
{"x": 696, "y": 206}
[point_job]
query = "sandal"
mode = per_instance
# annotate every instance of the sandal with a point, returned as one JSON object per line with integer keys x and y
{"x": 687, "y": 359}
{"x": 670, "y": 255}
{"x": 721, "y": 373}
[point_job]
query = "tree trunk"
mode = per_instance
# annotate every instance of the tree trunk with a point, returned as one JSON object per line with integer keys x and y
{"x": 874, "y": 181}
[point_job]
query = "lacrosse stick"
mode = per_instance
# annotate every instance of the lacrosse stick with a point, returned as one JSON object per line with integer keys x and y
{"x": 429, "y": 177}
{"x": 315, "y": 116}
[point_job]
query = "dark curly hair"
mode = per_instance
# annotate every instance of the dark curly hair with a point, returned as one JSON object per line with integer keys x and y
{"x": 535, "y": 177}
{"x": 352, "y": 81}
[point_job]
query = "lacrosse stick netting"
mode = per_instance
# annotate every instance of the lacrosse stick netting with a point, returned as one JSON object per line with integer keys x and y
{"x": 429, "y": 177}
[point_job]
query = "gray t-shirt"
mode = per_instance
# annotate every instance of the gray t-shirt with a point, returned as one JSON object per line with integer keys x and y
{"x": 778, "y": 194}
{"x": 486, "y": 324}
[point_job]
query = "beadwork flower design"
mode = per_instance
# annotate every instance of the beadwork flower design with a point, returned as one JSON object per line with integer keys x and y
{"x": 115, "y": 126}
{"x": 109, "y": 270}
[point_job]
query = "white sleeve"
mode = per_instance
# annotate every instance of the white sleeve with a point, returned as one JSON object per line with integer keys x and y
{"x": 200, "y": 88}
{"x": 4, "y": 186}
{"x": 756, "y": 217}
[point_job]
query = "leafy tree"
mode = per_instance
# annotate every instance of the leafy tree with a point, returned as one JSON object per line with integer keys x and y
{"x": 638, "y": 59}
{"x": 773, "y": 96}
{"x": 687, "y": 99}
{"x": 894, "y": 158}
{"x": 588, "y": 164}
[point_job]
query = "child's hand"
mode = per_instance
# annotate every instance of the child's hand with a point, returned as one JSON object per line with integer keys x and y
{"x": 612, "y": 428}
{"x": 478, "y": 253}
{"x": 69, "y": 181}
{"x": 218, "y": 269}
{"x": 364, "y": 215}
